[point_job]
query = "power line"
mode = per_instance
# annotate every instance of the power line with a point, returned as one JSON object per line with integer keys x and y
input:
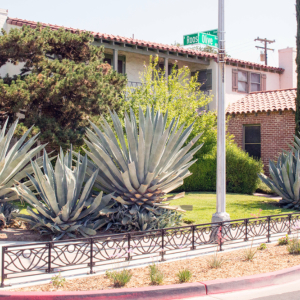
{"x": 265, "y": 41}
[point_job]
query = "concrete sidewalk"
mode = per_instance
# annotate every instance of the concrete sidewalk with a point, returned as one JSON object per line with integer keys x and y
{"x": 288, "y": 291}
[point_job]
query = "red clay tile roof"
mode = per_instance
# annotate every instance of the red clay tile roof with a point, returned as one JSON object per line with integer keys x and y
{"x": 116, "y": 38}
{"x": 264, "y": 102}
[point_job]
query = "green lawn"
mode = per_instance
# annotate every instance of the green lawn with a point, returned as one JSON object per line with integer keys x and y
{"x": 204, "y": 205}
{"x": 237, "y": 205}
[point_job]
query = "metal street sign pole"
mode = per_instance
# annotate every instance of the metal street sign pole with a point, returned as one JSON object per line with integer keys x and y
{"x": 221, "y": 214}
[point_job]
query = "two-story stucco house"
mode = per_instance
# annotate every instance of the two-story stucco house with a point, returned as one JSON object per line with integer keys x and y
{"x": 128, "y": 56}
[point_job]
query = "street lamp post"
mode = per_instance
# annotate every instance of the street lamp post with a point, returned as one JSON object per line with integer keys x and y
{"x": 221, "y": 214}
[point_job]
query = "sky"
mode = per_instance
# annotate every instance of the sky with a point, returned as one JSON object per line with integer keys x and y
{"x": 166, "y": 21}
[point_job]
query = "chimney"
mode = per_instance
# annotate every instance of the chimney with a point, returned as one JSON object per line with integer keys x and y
{"x": 287, "y": 61}
{"x": 3, "y": 17}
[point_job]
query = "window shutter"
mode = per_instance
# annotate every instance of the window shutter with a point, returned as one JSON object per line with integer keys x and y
{"x": 235, "y": 80}
{"x": 249, "y": 82}
{"x": 209, "y": 79}
{"x": 263, "y": 82}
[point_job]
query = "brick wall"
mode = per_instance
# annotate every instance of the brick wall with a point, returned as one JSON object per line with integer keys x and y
{"x": 276, "y": 132}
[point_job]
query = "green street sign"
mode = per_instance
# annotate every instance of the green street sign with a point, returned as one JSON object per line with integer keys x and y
{"x": 200, "y": 38}
{"x": 190, "y": 39}
{"x": 208, "y": 39}
{"x": 212, "y": 32}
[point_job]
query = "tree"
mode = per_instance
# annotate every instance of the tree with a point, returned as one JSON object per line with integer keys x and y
{"x": 297, "y": 114}
{"x": 63, "y": 83}
{"x": 180, "y": 95}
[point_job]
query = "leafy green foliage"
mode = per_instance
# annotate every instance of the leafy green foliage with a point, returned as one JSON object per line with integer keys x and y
{"x": 64, "y": 203}
{"x": 58, "y": 280}
{"x": 152, "y": 163}
{"x": 285, "y": 180}
{"x": 14, "y": 160}
{"x": 180, "y": 95}
{"x": 293, "y": 247}
{"x": 138, "y": 218}
{"x": 119, "y": 278}
{"x": 241, "y": 172}
{"x": 64, "y": 82}
{"x": 262, "y": 246}
{"x": 184, "y": 275}
{"x": 156, "y": 275}
{"x": 284, "y": 240}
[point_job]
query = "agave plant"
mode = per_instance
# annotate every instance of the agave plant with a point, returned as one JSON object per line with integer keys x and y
{"x": 14, "y": 161}
{"x": 137, "y": 218}
{"x": 153, "y": 161}
{"x": 63, "y": 202}
{"x": 6, "y": 210}
{"x": 285, "y": 180}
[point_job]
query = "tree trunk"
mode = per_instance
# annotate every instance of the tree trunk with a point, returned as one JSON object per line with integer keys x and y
{"x": 297, "y": 114}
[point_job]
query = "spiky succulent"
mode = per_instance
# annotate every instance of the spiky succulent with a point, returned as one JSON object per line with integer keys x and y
{"x": 6, "y": 210}
{"x": 63, "y": 203}
{"x": 138, "y": 218}
{"x": 144, "y": 164}
{"x": 14, "y": 159}
{"x": 285, "y": 180}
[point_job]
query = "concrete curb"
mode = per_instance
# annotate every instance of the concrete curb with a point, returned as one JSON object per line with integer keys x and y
{"x": 168, "y": 292}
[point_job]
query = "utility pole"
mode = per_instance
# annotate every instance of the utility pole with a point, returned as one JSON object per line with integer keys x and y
{"x": 221, "y": 214}
{"x": 265, "y": 47}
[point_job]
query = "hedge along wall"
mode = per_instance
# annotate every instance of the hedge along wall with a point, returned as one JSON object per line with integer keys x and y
{"x": 241, "y": 172}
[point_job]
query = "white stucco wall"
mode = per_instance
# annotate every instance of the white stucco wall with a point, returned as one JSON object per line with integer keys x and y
{"x": 287, "y": 61}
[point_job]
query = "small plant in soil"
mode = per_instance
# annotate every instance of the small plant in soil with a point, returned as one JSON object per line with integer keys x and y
{"x": 284, "y": 240}
{"x": 214, "y": 261}
{"x": 262, "y": 246}
{"x": 249, "y": 253}
{"x": 156, "y": 275}
{"x": 119, "y": 278}
{"x": 293, "y": 246}
{"x": 184, "y": 275}
{"x": 58, "y": 280}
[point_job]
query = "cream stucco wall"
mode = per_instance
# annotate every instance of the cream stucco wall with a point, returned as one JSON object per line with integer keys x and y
{"x": 287, "y": 61}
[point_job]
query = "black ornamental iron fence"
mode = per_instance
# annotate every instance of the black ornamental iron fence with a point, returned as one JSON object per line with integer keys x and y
{"x": 103, "y": 251}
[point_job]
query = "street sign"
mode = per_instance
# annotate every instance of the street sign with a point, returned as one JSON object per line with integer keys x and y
{"x": 208, "y": 39}
{"x": 190, "y": 39}
{"x": 212, "y": 32}
{"x": 200, "y": 38}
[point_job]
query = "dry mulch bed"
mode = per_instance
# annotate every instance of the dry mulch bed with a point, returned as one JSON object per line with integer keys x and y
{"x": 273, "y": 258}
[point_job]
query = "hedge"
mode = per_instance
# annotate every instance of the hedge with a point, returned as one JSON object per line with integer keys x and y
{"x": 241, "y": 172}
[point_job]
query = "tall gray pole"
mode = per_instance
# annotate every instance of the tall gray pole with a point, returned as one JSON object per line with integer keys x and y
{"x": 221, "y": 214}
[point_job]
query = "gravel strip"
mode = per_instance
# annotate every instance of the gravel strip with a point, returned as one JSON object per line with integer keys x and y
{"x": 274, "y": 258}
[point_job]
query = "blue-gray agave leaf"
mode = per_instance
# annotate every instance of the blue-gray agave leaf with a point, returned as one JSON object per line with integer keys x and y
{"x": 141, "y": 163}
{"x": 63, "y": 202}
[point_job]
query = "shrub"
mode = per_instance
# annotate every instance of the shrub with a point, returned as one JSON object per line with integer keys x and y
{"x": 284, "y": 240}
{"x": 262, "y": 246}
{"x": 215, "y": 261}
{"x": 184, "y": 275}
{"x": 156, "y": 275}
{"x": 119, "y": 278}
{"x": 249, "y": 253}
{"x": 293, "y": 247}
{"x": 241, "y": 172}
{"x": 58, "y": 280}
{"x": 187, "y": 220}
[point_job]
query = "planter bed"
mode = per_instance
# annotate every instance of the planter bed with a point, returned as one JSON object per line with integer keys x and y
{"x": 272, "y": 259}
